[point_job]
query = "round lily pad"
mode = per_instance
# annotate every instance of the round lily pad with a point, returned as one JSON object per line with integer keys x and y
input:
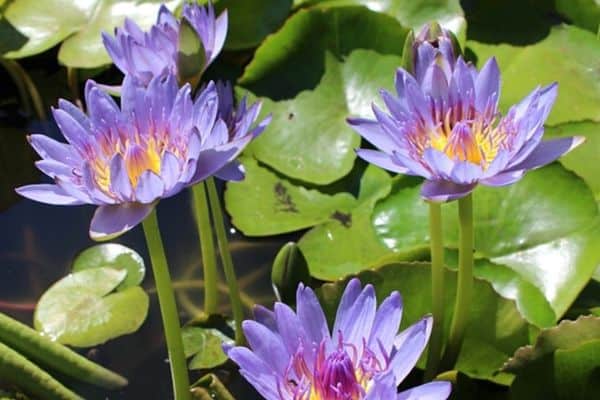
{"x": 113, "y": 255}
{"x": 82, "y": 310}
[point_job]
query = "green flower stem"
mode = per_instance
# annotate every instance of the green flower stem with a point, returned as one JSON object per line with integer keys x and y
{"x": 465, "y": 282}
{"x": 234, "y": 291}
{"x": 207, "y": 246}
{"x": 168, "y": 308}
{"x": 437, "y": 290}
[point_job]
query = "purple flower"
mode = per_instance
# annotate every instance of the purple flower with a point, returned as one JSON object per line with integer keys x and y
{"x": 444, "y": 125}
{"x": 145, "y": 55}
{"x": 294, "y": 356}
{"x": 125, "y": 159}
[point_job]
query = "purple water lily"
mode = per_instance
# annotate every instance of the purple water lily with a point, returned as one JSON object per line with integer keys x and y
{"x": 294, "y": 356}
{"x": 444, "y": 125}
{"x": 145, "y": 55}
{"x": 125, "y": 159}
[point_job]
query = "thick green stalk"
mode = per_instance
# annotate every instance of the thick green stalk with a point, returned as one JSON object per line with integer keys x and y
{"x": 437, "y": 290}
{"x": 464, "y": 287}
{"x": 168, "y": 308}
{"x": 207, "y": 246}
{"x": 234, "y": 291}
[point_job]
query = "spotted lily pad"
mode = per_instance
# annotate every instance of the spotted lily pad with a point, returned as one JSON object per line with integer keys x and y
{"x": 83, "y": 311}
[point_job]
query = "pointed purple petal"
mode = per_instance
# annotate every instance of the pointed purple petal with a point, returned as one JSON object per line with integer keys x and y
{"x": 442, "y": 191}
{"x": 149, "y": 187}
{"x": 234, "y": 171}
{"x": 465, "y": 173}
{"x": 266, "y": 345}
{"x": 381, "y": 159}
{"x": 487, "y": 85}
{"x": 386, "y": 324}
{"x": 119, "y": 179}
{"x": 49, "y": 148}
{"x": 548, "y": 151}
{"x": 256, "y": 371}
{"x": 265, "y": 316}
{"x": 356, "y": 322}
{"x": 408, "y": 347}
{"x": 438, "y": 390}
{"x": 372, "y": 132}
{"x": 113, "y": 220}
{"x": 503, "y": 179}
{"x": 48, "y": 193}
{"x": 311, "y": 315}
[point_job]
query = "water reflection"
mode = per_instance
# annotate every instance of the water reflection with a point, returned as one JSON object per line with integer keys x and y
{"x": 39, "y": 243}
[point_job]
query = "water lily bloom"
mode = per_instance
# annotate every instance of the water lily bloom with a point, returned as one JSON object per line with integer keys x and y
{"x": 125, "y": 159}
{"x": 294, "y": 356}
{"x": 443, "y": 124}
{"x": 153, "y": 53}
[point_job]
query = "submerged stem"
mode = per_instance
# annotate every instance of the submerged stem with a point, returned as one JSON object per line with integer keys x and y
{"x": 168, "y": 308}
{"x": 14, "y": 71}
{"x": 465, "y": 282}
{"x": 234, "y": 291}
{"x": 207, "y": 246}
{"x": 437, "y": 289}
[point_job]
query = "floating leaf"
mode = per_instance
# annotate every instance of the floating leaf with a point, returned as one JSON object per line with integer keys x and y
{"x": 584, "y": 159}
{"x": 80, "y": 309}
{"x": 251, "y": 20}
{"x": 113, "y": 255}
{"x": 568, "y": 55}
{"x": 411, "y": 13}
{"x": 495, "y": 327}
{"x": 265, "y": 203}
{"x": 544, "y": 228}
{"x": 293, "y": 59}
{"x": 349, "y": 239}
{"x": 77, "y": 23}
{"x": 508, "y": 283}
{"x": 563, "y": 363}
{"x": 205, "y": 346}
{"x": 583, "y": 13}
{"x": 309, "y": 138}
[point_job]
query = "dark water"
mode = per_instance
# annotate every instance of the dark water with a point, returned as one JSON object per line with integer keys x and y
{"x": 38, "y": 243}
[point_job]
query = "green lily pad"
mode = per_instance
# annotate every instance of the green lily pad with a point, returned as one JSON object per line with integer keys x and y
{"x": 78, "y": 24}
{"x": 205, "y": 346}
{"x": 496, "y": 328}
{"x": 251, "y": 20}
{"x": 584, "y": 159}
{"x": 350, "y": 240}
{"x": 545, "y": 228}
{"x": 293, "y": 59}
{"x": 509, "y": 284}
{"x": 563, "y": 363}
{"x": 568, "y": 55}
{"x": 411, "y": 13}
{"x": 309, "y": 138}
{"x": 81, "y": 310}
{"x": 265, "y": 203}
{"x": 583, "y": 13}
{"x": 113, "y": 255}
